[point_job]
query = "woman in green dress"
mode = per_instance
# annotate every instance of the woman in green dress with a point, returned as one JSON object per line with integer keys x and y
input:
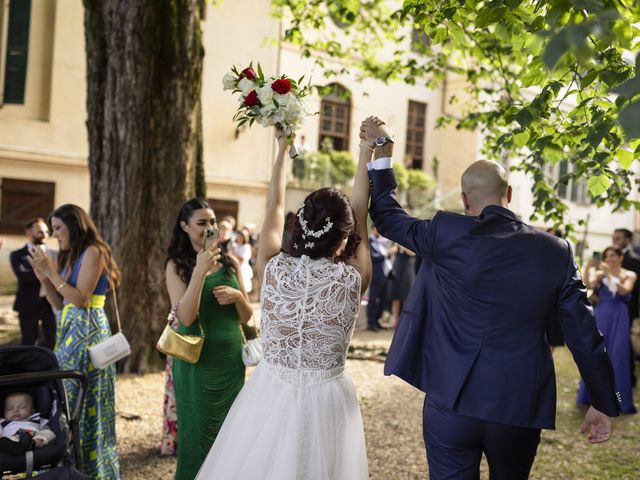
{"x": 204, "y": 286}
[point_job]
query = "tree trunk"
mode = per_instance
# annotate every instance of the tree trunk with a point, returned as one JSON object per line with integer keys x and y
{"x": 144, "y": 70}
{"x": 200, "y": 181}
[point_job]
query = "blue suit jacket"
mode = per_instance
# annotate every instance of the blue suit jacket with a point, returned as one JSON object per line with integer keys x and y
{"x": 472, "y": 331}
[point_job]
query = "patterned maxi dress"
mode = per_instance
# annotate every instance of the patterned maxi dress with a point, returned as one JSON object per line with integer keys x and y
{"x": 298, "y": 416}
{"x": 79, "y": 329}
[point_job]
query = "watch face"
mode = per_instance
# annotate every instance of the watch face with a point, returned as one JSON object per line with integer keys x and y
{"x": 380, "y": 141}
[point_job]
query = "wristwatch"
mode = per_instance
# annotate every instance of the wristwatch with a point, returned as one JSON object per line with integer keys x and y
{"x": 382, "y": 140}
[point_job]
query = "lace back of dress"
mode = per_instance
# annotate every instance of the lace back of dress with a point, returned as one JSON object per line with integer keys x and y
{"x": 309, "y": 308}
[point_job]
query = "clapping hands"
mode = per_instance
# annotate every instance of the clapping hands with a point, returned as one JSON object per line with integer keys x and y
{"x": 41, "y": 262}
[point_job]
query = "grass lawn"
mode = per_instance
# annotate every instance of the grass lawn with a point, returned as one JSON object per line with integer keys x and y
{"x": 566, "y": 454}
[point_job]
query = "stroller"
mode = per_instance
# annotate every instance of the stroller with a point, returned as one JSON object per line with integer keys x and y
{"x": 35, "y": 370}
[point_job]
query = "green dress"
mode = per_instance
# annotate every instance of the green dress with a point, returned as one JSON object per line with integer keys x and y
{"x": 206, "y": 390}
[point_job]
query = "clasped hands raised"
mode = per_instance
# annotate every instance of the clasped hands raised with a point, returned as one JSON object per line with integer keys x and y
{"x": 371, "y": 128}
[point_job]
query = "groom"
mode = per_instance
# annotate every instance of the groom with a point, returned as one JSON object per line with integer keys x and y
{"x": 472, "y": 332}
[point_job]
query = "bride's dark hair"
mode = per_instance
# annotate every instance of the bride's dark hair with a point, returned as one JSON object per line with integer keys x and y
{"x": 317, "y": 207}
{"x": 181, "y": 251}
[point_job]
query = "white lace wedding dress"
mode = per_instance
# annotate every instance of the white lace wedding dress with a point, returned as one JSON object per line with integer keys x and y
{"x": 298, "y": 416}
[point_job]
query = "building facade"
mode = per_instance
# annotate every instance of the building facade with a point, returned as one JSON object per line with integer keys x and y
{"x": 43, "y": 138}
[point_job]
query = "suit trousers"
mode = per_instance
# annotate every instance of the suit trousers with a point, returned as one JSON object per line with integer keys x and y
{"x": 29, "y": 322}
{"x": 455, "y": 445}
{"x": 376, "y": 302}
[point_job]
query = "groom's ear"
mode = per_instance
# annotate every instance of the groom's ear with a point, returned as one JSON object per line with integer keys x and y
{"x": 465, "y": 203}
{"x": 509, "y": 193}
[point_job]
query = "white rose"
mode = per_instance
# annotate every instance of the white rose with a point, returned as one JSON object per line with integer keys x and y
{"x": 264, "y": 121}
{"x": 229, "y": 81}
{"x": 293, "y": 112}
{"x": 284, "y": 100}
{"x": 278, "y": 117}
{"x": 245, "y": 86}
{"x": 265, "y": 94}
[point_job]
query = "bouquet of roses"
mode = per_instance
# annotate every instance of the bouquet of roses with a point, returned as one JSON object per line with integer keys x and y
{"x": 269, "y": 101}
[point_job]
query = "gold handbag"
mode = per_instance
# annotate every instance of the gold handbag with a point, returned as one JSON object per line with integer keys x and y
{"x": 179, "y": 345}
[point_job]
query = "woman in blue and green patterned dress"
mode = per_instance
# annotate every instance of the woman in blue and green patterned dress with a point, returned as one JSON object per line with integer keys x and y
{"x": 78, "y": 285}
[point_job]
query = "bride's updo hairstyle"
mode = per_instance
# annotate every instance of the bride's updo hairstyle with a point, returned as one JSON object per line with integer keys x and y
{"x": 320, "y": 225}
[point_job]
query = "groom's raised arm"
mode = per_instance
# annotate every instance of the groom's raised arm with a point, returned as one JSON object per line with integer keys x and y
{"x": 391, "y": 220}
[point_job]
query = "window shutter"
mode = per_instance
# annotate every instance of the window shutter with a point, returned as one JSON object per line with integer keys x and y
{"x": 17, "y": 51}
{"x": 23, "y": 200}
{"x": 222, "y": 208}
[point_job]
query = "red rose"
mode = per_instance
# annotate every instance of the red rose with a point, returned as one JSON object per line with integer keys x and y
{"x": 251, "y": 99}
{"x": 281, "y": 86}
{"x": 248, "y": 73}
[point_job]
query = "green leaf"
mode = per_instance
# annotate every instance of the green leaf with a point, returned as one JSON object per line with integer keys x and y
{"x": 449, "y": 12}
{"x": 533, "y": 76}
{"x": 521, "y": 139}
{"x": 457, "y": 33}
{"x": 513, "y": 4}
{"x": 589, "y": 78}
{"x": 612, "y": 78}
{"x": 629, "y": 88}
{"x": 524, "y": 117}
{"x": 630, "y": 120}
{"x": 625, "y": 158}
{"x": 488, "y": 16}
{"x": 557, "y": 48}
{"x": 440, "y": 35}
{"x": 553, "y": 153}
{"x": 598, "y": 185}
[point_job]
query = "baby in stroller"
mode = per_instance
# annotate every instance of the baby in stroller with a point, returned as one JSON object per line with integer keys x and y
{"x": 22, "y": 428}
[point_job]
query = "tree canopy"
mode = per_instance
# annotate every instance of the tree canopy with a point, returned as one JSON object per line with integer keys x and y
{"x": 548, "y": 80}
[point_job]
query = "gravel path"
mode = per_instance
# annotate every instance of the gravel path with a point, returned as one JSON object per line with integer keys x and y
{"x": 391, "y": 412}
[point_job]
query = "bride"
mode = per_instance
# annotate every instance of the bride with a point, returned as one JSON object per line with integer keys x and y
{"x": 298, "y": 416}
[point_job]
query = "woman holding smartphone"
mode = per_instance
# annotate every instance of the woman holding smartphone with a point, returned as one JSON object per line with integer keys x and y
{"x": 613, "y": 285}
{"x": 202, "y": 282}
{"x": 77, "y": 284}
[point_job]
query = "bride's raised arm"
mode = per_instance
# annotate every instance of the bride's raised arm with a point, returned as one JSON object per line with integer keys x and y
{"x": 270, "y": 241}
{"x": 360, "y": 204}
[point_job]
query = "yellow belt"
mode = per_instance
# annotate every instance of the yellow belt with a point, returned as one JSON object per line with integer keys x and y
{"x": 96, "y": 301}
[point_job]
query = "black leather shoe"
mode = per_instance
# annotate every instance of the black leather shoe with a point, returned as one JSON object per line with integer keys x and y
{"x": 372, "y": 328}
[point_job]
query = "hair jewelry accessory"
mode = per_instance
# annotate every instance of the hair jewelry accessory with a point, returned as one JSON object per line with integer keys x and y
{"x": 309, "y": 245}
{"x": 307, "y": 232}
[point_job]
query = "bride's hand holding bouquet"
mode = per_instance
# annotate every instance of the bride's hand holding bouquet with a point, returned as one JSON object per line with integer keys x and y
{"x": 270, "y": 101}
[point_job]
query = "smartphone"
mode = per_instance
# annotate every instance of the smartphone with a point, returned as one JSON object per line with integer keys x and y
{"x": 597, "y": 258}
{"x": 210, "y": 237}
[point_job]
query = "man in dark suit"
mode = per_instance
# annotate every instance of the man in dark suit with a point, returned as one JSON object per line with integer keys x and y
{"x": 472, "y": 332}
{"x": 378, "y": 288}
{"x": 623, "y": 239}
{"x": 32, "y": 307}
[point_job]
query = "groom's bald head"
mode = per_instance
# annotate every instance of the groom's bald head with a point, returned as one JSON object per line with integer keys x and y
{"x": 484, "y": 183}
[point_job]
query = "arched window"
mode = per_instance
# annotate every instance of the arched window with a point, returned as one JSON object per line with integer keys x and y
{"x": 335, "y": 115}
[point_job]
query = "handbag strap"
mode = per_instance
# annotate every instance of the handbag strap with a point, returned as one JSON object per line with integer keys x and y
{"x": 115, "y": 301}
